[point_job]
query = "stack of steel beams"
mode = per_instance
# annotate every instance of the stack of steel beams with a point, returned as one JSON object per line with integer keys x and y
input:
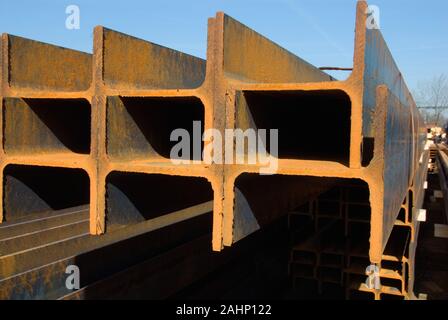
{"x": 97, "y": 129}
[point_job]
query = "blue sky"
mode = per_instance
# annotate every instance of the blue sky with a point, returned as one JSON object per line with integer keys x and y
{"x": 320, "y": 31}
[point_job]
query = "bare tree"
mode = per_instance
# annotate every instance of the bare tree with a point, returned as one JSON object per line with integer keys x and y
{"x": 432, "y": 99}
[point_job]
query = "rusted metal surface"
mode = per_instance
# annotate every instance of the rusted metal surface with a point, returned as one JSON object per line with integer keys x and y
{"x": 250, "y": 57}
{"x": 162, "y": 79}
{"x": 39, "y": 271}
{"x": 45, "y": 126}
{"x": 386, "y": 131}
{"x": 107, "y": 118}
{"x": 39, "y": 66}
{"x": 33, "y": 189}
{"x": 371, "y": 92}
{"x": 46, "y": 101}
{"x": 140, "y": 128}
{"x": 136, "y": 64}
